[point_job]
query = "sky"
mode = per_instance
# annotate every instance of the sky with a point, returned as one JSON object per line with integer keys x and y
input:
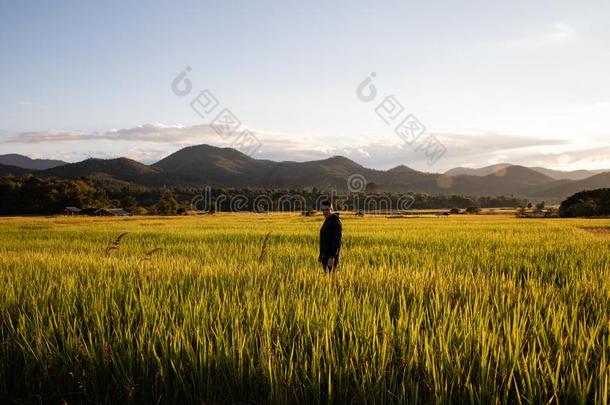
{"x": 477, "y": 82}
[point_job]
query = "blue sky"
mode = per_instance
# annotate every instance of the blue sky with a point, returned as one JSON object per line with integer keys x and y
{"x": 492, "y": 82}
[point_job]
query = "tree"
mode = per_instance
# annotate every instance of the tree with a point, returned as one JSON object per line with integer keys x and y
{"x": 540, "y": 205}
{"x": 587, "y": 204}
{"x": 129, "y": 203}
{"x": 473, "y": 210}
{"x": 167, "y": 204}
{"x": 32, "y": 195}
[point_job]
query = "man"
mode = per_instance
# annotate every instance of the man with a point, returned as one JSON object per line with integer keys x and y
{"x": 330, "y": 238}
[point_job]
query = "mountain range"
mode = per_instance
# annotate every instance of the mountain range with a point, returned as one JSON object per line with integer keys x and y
{"x": 201, "y": 165}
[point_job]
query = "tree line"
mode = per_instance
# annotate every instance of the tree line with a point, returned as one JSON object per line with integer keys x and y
{"x": 29, "y": 194}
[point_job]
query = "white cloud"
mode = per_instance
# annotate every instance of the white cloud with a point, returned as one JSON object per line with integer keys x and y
{"x": 591, "y": 158}
{"x": 598, "y": 107}
{"x": 557, "y": 33}
{"x": 156, "y": 133}
{"x": 47, "y": 136}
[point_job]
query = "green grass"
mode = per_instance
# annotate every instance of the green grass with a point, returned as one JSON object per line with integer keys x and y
{"x": 464, "y": 309}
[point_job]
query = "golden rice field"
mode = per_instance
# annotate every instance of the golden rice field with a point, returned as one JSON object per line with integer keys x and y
{"x": 466, "y": 309}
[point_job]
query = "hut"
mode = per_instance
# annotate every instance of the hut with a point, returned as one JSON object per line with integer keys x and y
{"x": 72, "y": 211}
{"x": 112, "y": 212}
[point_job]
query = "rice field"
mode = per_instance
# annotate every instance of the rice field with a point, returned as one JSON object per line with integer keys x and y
{"x": 465, "y": 309}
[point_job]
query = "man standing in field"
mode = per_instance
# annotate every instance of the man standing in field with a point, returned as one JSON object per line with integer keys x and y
{"x": 330, "y": 238}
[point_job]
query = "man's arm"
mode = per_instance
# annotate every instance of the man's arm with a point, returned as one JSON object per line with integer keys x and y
{"x": 337, "y": 231}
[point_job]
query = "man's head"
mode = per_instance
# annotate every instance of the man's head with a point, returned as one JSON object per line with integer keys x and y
{"x": 327, "y": 208}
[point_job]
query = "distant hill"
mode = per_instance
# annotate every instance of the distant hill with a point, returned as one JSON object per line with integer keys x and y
{"x": 14, "y": 170}
{"x": 205, "y": 165}
{"x": 498, "y": 168}
{"x": 25, "y": 162}
{"x": 566, "y": 188}
{"x": 482, "y": 171}
{"x": 120, "y": 171}
{"x": 569, "y": 175}
{"x": 515, "y": 180}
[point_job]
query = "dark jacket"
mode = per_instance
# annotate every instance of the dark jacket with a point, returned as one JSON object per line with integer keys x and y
{"x": 330, "y": 237}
